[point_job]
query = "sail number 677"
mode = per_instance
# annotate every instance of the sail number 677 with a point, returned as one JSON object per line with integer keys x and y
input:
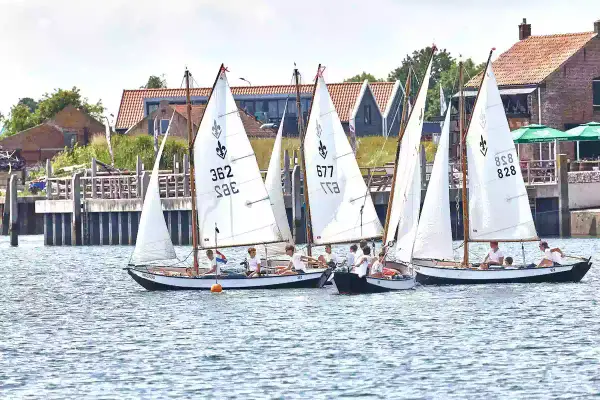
{"x": 330, "y": 187}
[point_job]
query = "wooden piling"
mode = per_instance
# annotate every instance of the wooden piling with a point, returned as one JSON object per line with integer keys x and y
{"x": 287, "y": 178}
{"x": 93, "y": 171}
{"x": 562, "y": 178}
{"x": 76, "y": 218}
{"x": 186, "y": 175}
{"x": 145, "y": 181}
{"x": 138, "y": 174}
{"x": 48, "y": 182}
{"x": 6, "y": 210}
{"x": 14, "y": 212}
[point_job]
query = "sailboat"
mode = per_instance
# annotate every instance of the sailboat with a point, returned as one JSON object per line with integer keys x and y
{"x": 497, "y": 205}
{"x": 340, "y": 207}
{"x": 230, "y": 203}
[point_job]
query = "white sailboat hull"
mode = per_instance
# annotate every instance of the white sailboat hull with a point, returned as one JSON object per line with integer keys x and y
{"x": 427, "y": 272}
{"x": 153, "y": 281}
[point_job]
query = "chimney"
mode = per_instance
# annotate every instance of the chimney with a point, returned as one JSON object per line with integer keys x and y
{"x": 597, "y": 27}
{"x": 524, "y": 30}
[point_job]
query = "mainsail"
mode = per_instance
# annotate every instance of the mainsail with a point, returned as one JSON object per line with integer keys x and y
{"x": 404, "y": 215}
{"x": 274, "y": 188}
{"x": 233, "y": 204}
{"x": 434, "y": 233}
{"x": 498, "y": 202}
{"x": 153, "y": 239}
{"x": 340, "y": 205}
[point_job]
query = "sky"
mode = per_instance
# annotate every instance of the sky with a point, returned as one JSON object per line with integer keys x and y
{"x": 103, "y": 47}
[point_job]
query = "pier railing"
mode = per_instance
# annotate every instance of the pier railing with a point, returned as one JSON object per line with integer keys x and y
{"x": 175, "y": 184}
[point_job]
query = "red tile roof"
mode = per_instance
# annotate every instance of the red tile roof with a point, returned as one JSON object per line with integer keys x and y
{"x": 343, "y": 95}
{"x": 251, "y": 125}
{"x": 531, "y": 60}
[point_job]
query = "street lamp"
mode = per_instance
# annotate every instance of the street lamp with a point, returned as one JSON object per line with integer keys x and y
{"x": 245, "y": 80}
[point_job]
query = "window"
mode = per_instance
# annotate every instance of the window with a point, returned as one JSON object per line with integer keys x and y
{"x": 70, "y": 139}
{"x": 164, "y": 125}
{"x": 248, "y": 107}
{"x": 291, "y": 108}
{"x": 368, "y": 114}
{"x": 281, "y": 106}
{"x": 152, "y": 108}
{"x": 596, "y": 90}
{"x": 273, "y": 109}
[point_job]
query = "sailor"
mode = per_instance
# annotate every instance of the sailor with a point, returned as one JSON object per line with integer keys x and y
{"x": 212, "y": 261}
{"x": 494, "y": 256}
{"x": 253, "y": 263}
{"x": 361, "y": 245}
{"x": 351, "y": 257}
{"x": 551, "y": 256}
{"x": 508, "y": 261}
{"x": 362, "y": 263}
{"x": 297, "y": 263}
{"x": 377, "y": 267}
{"x": 329, "y": 256}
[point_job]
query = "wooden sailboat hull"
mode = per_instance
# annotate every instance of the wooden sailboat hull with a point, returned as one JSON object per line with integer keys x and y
{"x": 349, "y": 283}
{"x": 153, "y": 281}
{"x": 427, "y": 273}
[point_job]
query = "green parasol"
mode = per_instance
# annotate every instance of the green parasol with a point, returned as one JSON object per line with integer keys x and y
{"x": 539, "y": 133}
{"x": 589, "y": 131}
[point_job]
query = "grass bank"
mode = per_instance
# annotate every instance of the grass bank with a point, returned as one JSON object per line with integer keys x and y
{"x": 372, "y": 151}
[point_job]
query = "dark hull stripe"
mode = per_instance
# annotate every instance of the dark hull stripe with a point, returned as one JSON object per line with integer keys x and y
{"x": 349, "y": 283}
{"x": 574, "y": 275}
{"x": 152, "y": 285}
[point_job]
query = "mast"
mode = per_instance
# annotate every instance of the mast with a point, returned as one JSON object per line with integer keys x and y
{"x": 463, "y": 136}
{"x": 302, "y": 133}
{"x": 400, "y": 135}
{"x": 463, "y": 160}
{"x": 192, "y": 176}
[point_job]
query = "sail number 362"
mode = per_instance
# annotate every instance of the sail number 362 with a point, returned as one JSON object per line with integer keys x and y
{"x": 506, "y": 166}
{"x": 224, "y": 189}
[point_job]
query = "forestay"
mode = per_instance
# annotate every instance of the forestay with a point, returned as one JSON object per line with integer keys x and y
{"x": 404, "y": 216}
{"x": 153, "y": 239}
{"x": 498, "y": 201}
{"x": 274, "y": 187}
{"x": 434, "y": 233}
{"x": 336, "y": 189}
{"x": 231, "y": 195}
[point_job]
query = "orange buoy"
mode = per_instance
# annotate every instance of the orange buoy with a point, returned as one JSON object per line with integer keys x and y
{"x": 216, "y": 288}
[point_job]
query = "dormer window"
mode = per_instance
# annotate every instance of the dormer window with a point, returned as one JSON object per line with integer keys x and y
{"x": 596, "y": 92}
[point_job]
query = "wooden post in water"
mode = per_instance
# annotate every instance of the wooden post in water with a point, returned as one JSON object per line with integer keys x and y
{"x": 76, "y": 218}
{"x": 48, "y": 182}
{"x": 14, "y": 211}
{"x": 145, "y": 181}
{"x": 93, "y": 171}
{"x": 138, "y": 175}
{"x": 6, "y": 210}
{"x": 564, "y": 214}
{"x": 287, "y": 178}
{"x": 296, "y": 202}
{"x": 186, "y": 175}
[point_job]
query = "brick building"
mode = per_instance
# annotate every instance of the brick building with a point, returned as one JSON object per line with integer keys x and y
{"x": 552, "y": 80}
{"x": 69, "y": 126}
{"x": 372, "y": 108}
{"x": 176, "y": 115}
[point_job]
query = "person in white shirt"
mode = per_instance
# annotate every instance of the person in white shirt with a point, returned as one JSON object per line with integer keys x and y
{"x": 362, "y": 263}
{"x": 329, "y": 256}
{"x": 494, "y": 256}
{"x": 361, "y": 245}
{"x": 377, "y": 267}
{"x": 214, "y": 266}
{"x": 351, "y": 257}
{"x": 551, "y": 256}
{"x": 297, "y": 263}
{"x": 253, "y": 263}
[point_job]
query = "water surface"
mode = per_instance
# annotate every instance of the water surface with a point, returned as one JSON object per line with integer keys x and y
{"x": 74, "y": 325}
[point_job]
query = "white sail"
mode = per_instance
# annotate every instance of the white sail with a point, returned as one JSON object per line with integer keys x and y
{"x": 498, "y": 202}
{"x": 434, "y": 233}
{"x": 404, "y": 215}
{"x": 231, "y": 195}
{"x": 274, "y": 188}
{"x": 153, "y": 239}
{"x": 336, "y": 189}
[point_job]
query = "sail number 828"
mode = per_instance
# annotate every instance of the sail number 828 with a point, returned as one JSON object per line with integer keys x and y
{"x": 506, "y": 166}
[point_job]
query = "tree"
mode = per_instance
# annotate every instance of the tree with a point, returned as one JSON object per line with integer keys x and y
{"x": 362, "y": 77}
{"x": 28, "y": 113}
{"x": 156, "y": 82}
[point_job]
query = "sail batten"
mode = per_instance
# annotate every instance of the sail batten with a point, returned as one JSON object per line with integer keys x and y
{"x": 153, "y": 241}
{"x": 498, "y": 202}
{"x": 334, "y": 180}
{"x": 233, "y": 202}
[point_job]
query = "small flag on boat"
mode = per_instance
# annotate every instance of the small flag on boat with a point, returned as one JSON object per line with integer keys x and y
{"x": 221, "y": 257}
